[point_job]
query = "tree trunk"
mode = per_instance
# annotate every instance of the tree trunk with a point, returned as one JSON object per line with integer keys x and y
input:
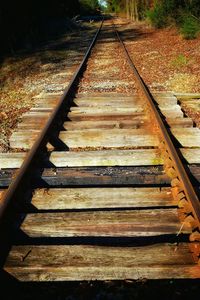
{"x": 127, "y": 9}
{"x": 136, "y": 17}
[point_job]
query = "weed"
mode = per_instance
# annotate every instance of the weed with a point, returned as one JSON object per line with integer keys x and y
{"x": 180, "y": 61}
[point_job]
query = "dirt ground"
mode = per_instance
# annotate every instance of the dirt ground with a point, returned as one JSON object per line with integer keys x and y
{"x": 164, "y": 59}
{"x": 27, "y": 73}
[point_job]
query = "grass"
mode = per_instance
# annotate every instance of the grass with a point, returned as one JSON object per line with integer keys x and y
{"x": 180, "y": 61}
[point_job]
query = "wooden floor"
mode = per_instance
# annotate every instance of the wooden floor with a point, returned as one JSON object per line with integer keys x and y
{"x": 102, "y": 207}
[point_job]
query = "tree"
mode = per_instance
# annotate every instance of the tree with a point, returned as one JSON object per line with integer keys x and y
{"x": 24, "y": 19}
{"x": 89, "y": 6}
{"x": 134, "y": 9}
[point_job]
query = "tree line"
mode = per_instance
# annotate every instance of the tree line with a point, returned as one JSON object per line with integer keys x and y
{"x": 24, "y": 22}
{"x": 184, "y": 14}
{"x": 132, "y": 9}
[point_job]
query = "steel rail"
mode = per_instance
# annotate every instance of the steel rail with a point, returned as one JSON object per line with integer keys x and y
{"x": 187, "y": 186}
{"x": 43, "y": 136}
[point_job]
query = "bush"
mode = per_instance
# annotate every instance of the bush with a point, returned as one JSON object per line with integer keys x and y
{"x": 157, "y": 16}
{"x": 190, "y": 27}
{"x": 183, "y": 14}
{"x": 89, "y": 6}
{"x": 163, "y": 13}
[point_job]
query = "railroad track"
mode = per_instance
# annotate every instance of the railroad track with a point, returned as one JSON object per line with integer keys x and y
{"x": 108, "y": 186}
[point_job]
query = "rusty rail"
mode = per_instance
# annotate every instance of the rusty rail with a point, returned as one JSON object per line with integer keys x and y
{"x": 44, "y": 135}
{"x": 184, "y": 192}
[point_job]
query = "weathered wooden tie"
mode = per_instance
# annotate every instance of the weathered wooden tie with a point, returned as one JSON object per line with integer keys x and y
{"x": 101, "y": 207}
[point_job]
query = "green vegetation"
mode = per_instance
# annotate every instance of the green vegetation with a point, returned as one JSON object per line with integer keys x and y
{"x": 157, "y": 16}
{"x": 162, "y": 13}
{"x": 184, "y": 14}
{"x": 180, "y": 61}
{"x": 115, "y": 6}
{"x": 89, "y": 6}
{"x": 133, "y": 9}
{"x": 190, "y": 27}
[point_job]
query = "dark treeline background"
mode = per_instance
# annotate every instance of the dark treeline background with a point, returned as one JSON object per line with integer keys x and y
{"x": 136, "y": 9}
{"x": 24, "y": 23}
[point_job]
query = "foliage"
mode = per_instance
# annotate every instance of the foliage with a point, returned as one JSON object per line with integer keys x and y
{"x": 157, "y": 16}
{"x": 163, "y": 12}
{"x": 190, "y": 27}
{"x": 89, "y": 6}
{"x": 24, "y": 20}
{"x": 193, "y": 7}
{"x": 25, "y": 23}
{"x": 183, "y": 13}
{"x": 142, "y": 8}
{"x": 134, "y": 9}
{"x": 180, "y": 61}
{"x": 115, "y": 6}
